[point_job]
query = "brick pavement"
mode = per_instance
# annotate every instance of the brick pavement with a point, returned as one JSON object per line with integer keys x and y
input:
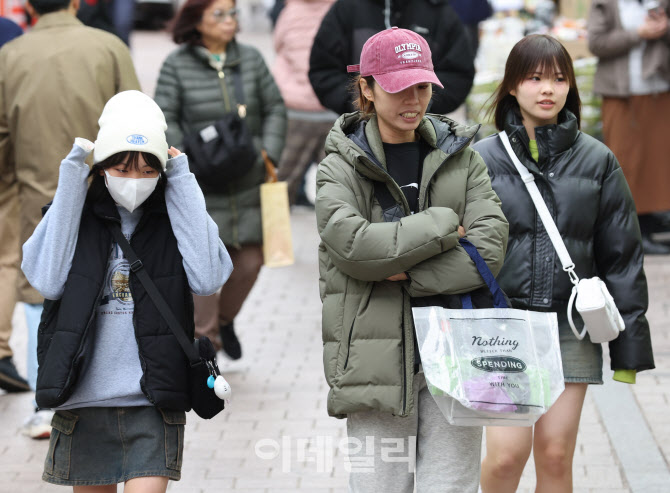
{"x": 267, "y": 441}
{"x": 276, "y": 436}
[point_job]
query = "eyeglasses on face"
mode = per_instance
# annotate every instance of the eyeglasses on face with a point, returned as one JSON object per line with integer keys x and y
{"x": 220, "y": 15}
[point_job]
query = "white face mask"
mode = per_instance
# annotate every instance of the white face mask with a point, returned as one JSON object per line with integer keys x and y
{"x": 130, "y": 192}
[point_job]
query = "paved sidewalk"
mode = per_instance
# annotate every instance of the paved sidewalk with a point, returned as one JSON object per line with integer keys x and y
{"x": 276, "y": 436}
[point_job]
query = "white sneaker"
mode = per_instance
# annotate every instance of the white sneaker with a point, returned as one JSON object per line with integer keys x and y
{"x": 38, "y": 425}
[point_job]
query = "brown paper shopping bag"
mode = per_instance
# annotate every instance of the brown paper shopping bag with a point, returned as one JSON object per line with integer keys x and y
{"x": 276, "y": 219}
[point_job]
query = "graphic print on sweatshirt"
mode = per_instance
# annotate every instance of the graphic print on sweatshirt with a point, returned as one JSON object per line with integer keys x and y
{"x": 117, "y": 298}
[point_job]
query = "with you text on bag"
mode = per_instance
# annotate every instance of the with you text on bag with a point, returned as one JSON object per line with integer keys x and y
{"x": 493, "y": 366}
{"x": 276, "y": 219}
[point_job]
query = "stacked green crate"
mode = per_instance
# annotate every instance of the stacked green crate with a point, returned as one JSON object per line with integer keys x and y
{"x": 591, "y": 121}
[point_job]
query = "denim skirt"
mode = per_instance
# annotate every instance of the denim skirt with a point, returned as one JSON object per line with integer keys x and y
{"x": 582, "y": 360}
{"x": 110, "y": 445}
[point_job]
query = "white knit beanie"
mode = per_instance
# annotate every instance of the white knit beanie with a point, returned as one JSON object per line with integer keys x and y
{"x": 131, "y": 121}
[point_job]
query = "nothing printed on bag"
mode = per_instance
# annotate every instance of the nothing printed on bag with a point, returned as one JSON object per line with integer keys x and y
{"x": 494, "y": 364}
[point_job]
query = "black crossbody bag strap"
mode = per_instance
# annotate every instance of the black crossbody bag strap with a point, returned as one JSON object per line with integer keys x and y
{"x": 137, "y": 267}
{"x": 392, "y": 210}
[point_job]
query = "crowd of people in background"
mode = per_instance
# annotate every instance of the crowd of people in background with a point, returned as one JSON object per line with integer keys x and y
{"x": 386, "y": 121}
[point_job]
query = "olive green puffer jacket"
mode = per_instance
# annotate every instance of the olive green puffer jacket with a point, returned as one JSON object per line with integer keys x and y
{"x": 367, "y": 322}
{"x": 193, "y": 95}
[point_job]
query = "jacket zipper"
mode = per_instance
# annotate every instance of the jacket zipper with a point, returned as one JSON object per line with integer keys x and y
{"x": 139, "y": 353}
{"x": 235, "y": 218}
{"x": 224, "y": 90}
{"x": 233, "y": 205}
{"x": 405, "y": 206}
{"x": 425, "y": 198}
{"x": 404, "y": 360}
{"x": 143, "y": 364}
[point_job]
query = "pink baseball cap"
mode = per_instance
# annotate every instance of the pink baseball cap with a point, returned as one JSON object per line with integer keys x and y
{"x": 397, "y": 59}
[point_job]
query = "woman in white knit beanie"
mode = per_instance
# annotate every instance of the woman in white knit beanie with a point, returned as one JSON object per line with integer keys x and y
{"x": 109, "y": 365}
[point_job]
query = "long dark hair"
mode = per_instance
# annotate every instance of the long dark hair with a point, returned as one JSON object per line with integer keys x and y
{"x": 533, "y": 51}
{"x": 98, "y": 190}
{"x": 184, "y": 27}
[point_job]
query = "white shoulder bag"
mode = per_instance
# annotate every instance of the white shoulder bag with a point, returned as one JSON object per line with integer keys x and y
{"x": 593, "y": 301}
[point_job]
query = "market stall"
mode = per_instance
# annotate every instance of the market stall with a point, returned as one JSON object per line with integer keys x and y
{"x": 513, "y": 19}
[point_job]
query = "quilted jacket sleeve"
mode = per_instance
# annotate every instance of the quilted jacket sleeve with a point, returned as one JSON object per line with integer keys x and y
{"x": 168, "y": 98}
{"x": 619, "y": 259}
{"x": 374, "y": 251}
{"x": 485, "y": 225}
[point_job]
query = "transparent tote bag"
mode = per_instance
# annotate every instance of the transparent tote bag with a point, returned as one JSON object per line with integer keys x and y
{"x": 493, "y": 366}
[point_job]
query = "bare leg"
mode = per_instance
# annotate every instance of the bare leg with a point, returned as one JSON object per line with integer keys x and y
{"x": 150, "y": 484}
{"x": 555, "y": 440}
{"x": 507, "y": 451}
{"x": 108, "y": 488}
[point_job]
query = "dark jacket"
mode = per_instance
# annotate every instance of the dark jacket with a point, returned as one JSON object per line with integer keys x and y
{"x": 586, "y": 192}
{"x": 193, "y": 95}
{"x": 66, "y": 329}
{"x": 8, "y": 30}
{"x": 349, "y": 24}
{"x": 472, "y": 11}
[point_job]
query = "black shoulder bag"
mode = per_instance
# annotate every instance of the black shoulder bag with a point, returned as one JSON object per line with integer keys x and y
{"x": 224, "y": 151}
{"x": 200, "y": 353}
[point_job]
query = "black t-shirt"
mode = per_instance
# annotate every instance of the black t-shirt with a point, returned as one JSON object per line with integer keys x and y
{"x": 404, "y": 162}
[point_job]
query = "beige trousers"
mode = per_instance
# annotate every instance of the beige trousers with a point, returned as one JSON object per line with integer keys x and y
{"x": 9, "y": 260}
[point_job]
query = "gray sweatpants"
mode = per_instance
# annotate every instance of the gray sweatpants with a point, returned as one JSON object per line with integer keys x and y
{"x": 386, "y": 452}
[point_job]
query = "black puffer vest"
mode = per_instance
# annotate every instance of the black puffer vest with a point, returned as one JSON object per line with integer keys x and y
{"x": 66, "y": 329}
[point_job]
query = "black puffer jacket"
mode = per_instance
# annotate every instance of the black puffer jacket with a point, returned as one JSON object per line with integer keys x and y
{"x": 348, "y": 25}
{"x": 67, "y": 325}
{"x": 585, "y": 190}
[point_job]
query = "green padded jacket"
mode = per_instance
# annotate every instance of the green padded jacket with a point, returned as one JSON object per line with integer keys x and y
{"x": 193, "y": 95}
{"x": 368, "y": 349}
